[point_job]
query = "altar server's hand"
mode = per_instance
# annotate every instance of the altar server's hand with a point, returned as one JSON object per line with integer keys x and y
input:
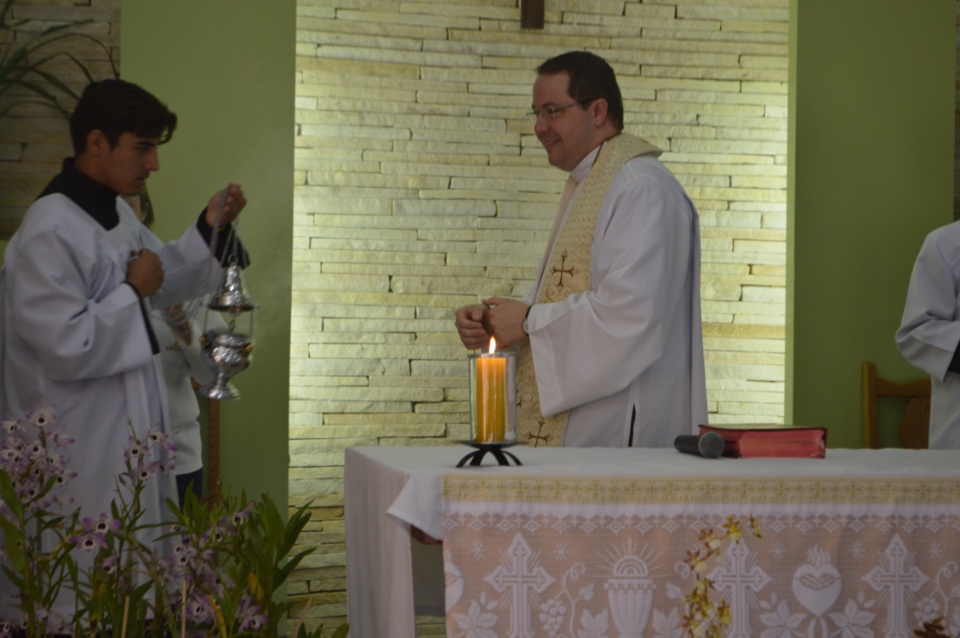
{"x": 231, "y": 207}
{"x": 145, "y": 272}
{"x": 469, "y": 324}
{"x": 178, "y": 321}
{"x": 504, "y": 320}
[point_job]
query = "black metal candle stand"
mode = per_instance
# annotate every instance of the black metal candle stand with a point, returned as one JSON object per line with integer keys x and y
{"x": 496, "y": 449}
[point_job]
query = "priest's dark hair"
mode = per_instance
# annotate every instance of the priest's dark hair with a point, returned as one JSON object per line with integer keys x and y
{"x": 591, "y": 78}
{"x": 117, "y": 107}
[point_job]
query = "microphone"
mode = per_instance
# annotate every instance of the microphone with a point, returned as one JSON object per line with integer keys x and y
{"x": 709, "y": 446}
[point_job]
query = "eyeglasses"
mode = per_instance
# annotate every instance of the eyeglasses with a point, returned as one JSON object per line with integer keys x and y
{"x": 550, "y": 113}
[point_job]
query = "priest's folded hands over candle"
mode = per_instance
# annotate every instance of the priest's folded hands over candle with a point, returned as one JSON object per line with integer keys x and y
{"x": 495, "y": 317}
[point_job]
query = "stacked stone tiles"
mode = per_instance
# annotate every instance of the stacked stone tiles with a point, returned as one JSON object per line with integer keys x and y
{"x": 420, "y": 188}
{"x": 34, "y": 138}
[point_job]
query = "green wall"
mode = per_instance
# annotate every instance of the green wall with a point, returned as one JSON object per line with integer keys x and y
{"x": 871, "y": 172}
{"x": 227, "y": 68}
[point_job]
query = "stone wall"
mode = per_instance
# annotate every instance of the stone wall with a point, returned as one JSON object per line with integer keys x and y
{"x": 420, "y": 188}
{"x": 34, "y": 139}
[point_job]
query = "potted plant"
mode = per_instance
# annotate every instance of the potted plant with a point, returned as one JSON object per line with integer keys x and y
{"x": 230, "y": 555}
{"x": 26, "y": 74}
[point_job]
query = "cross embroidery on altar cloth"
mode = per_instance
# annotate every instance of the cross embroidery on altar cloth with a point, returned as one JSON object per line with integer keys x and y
{"x": 522, "y": 575}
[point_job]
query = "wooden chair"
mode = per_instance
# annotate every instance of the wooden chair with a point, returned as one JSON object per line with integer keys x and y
{"x": 915, "y": 424}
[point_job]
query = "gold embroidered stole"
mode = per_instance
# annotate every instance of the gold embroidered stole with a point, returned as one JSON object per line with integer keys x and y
{"x": 569, "y": 273}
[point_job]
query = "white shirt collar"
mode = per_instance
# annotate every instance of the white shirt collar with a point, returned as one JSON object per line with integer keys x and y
{"x": 580, "y": 172}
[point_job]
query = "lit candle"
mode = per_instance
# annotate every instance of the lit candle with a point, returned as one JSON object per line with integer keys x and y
{"x": 491, "y": 392}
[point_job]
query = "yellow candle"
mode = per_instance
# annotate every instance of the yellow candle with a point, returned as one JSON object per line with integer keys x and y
{"x": 491, "y": 392}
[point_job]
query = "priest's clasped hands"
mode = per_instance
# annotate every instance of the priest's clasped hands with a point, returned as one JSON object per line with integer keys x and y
{"x": 495, "y": 317}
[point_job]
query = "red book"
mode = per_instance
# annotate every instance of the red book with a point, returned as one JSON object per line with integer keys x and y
{"x": 759, "y": 440}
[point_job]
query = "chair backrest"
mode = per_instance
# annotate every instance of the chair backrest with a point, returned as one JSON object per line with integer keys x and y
{"x": 915, "y": 424}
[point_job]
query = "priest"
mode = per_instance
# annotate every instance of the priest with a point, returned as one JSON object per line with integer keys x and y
{"x": 610, "y": 349}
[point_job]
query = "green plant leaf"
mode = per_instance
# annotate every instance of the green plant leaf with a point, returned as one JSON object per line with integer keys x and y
{"x": 293, "y": 529}
{"x": 24, "y": 64}
{"x": 9, "y": 495}
{"x": 288, "y": 568}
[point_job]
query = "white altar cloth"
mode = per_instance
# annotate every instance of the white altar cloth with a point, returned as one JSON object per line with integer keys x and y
{"x": 480, "y": 512}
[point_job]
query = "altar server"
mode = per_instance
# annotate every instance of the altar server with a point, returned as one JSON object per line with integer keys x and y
{"x": 929, "y": 333}
{"x": 80, "y": 278}
{"x": 609, "y": 337}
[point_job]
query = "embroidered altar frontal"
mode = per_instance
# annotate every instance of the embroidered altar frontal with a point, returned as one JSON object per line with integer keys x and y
{"x": 849, "y": 556}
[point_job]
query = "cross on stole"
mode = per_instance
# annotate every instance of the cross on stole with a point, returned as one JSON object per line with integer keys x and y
{"x": 562, "y": 269}
{"x": 899, "y": 576}
{"x": 522, "y": 576}
{"x": 539, "y": 438}
{"x": 531, "y": 14}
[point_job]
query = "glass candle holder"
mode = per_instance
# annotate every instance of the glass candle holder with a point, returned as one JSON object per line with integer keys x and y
{"x": 493, "y": 397}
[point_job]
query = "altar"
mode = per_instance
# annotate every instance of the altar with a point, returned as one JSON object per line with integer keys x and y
{"x": 598, "y": 541}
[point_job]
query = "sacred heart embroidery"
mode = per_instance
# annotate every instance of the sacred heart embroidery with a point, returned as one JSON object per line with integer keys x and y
{"x": 817, "y": 583}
